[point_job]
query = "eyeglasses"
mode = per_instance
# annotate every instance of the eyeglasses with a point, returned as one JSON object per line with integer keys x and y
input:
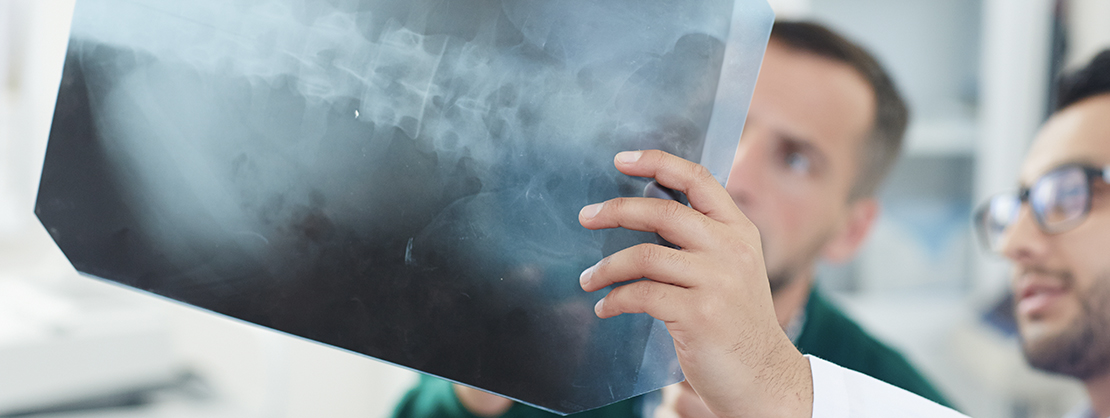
{"x": 1060, "y": 200}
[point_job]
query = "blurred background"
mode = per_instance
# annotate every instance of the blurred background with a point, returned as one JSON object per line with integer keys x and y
{"x": 977, "y": 76}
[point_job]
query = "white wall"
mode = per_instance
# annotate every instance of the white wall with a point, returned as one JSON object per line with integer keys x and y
{"x": 1088, "y": 31}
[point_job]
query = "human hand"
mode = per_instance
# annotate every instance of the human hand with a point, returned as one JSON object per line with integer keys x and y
{"x": 680, "y": 401}
{"x": 481, "y": 403}
{"x": 712, "y": 292}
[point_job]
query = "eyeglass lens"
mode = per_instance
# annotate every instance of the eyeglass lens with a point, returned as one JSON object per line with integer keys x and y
{"x": 1059, "y": 200}
{"x": 1000, "y": 212}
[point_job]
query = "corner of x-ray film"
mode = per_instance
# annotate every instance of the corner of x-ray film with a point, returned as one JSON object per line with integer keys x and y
{"x": 396, "y": 178}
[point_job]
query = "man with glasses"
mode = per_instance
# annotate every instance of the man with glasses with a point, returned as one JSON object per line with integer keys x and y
{"x": 1055, "y": 230}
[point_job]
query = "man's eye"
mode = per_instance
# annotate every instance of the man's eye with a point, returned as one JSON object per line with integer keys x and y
{"x": 798, "y": 162}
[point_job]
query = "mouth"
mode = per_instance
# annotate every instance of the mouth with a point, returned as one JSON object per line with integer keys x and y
{"x": 1037, "y": 295}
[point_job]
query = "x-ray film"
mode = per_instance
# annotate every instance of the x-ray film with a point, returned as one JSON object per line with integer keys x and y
{"x": 396, "y": 178}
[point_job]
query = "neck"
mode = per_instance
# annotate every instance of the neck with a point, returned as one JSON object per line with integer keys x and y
{"x": 791, "y": 298}
{"x": 1098, "y": 389}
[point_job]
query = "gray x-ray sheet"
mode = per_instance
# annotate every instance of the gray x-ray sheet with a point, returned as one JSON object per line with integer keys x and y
{"x": 396, "y": 178}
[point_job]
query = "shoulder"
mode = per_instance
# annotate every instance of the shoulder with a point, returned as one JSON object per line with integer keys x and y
{"x": 830, "y": 334}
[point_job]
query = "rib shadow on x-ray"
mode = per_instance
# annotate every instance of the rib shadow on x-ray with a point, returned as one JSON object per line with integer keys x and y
{"x": 400, "y": 179}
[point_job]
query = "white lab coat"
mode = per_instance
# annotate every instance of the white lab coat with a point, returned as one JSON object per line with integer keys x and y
{"x": 843, "y": 393}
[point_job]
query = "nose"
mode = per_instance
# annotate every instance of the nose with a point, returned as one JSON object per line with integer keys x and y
{"x": 1023, "y": 241}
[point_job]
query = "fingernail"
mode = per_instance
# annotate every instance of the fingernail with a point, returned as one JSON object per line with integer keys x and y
{"x": 597, "y": 308}
{"x": 584, "y": 279}
{"x": 590, "y": 211}
{"x": 629, "y": 157}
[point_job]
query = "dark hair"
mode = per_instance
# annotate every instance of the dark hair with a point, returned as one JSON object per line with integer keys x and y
{"x": 1091, "y": 80}
{"x": 884, "y": 143}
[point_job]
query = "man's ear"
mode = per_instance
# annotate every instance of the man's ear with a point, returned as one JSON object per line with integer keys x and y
{"x": 857, "y": 224}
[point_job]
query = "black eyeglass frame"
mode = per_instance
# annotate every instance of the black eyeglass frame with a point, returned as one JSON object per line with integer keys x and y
{"x": 1090, "y": 172}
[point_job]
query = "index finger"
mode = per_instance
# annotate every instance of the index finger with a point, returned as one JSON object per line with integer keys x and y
{"x": 703, "y": 191}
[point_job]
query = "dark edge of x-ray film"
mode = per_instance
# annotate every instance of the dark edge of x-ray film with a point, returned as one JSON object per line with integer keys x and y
{"x": 396, "y": 178}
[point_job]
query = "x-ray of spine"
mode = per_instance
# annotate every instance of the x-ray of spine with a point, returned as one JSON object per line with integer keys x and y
{"x": 396, "y": 178}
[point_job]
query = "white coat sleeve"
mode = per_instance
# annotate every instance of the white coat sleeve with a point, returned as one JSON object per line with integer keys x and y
{"x": 843, "y": 393}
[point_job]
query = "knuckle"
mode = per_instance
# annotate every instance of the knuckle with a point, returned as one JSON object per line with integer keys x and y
{"x": 642, "y": 291}
{"x": 652, "y": 255}
{"x": 676, "y": 260}
{"x": 646, "y": 255}
{"x": 703, "y": 313}
{"x": 751, "y": 252}
{"x": 614, "y": 209}
{"x": 705, "y": 222}
{"x": 615, "y": 205}
{"x": 745, "y": 255}
{"x": 671, "y": 210}
{"x": 700, "y": 173}
{"x": 745, "y": 242}
{"x": 736, "y": 244}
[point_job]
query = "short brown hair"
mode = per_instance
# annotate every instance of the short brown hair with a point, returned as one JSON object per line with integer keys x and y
{"x": 884, "y": 142}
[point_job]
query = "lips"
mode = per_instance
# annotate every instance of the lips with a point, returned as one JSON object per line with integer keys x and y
{"x": 1038, "y": 294}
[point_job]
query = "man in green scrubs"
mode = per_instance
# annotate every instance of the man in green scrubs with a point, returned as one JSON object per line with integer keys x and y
{"x": 824, "y": 127}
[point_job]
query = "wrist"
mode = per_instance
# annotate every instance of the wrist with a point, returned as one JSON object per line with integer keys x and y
{"x": 781, "y": 386}
{"x": 796, "y": 383}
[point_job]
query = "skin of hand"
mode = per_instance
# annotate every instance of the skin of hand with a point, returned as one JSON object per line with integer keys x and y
{"x": 680, "y": 400}
{"x": 481, "y": 403}
{"x": 712, "y": 292}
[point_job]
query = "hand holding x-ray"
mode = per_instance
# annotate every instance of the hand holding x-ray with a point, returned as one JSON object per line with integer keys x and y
{"x": 712, "y": 292}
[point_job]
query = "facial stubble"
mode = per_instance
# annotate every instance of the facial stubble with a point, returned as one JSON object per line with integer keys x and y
{"x": 1082, "y": 348}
